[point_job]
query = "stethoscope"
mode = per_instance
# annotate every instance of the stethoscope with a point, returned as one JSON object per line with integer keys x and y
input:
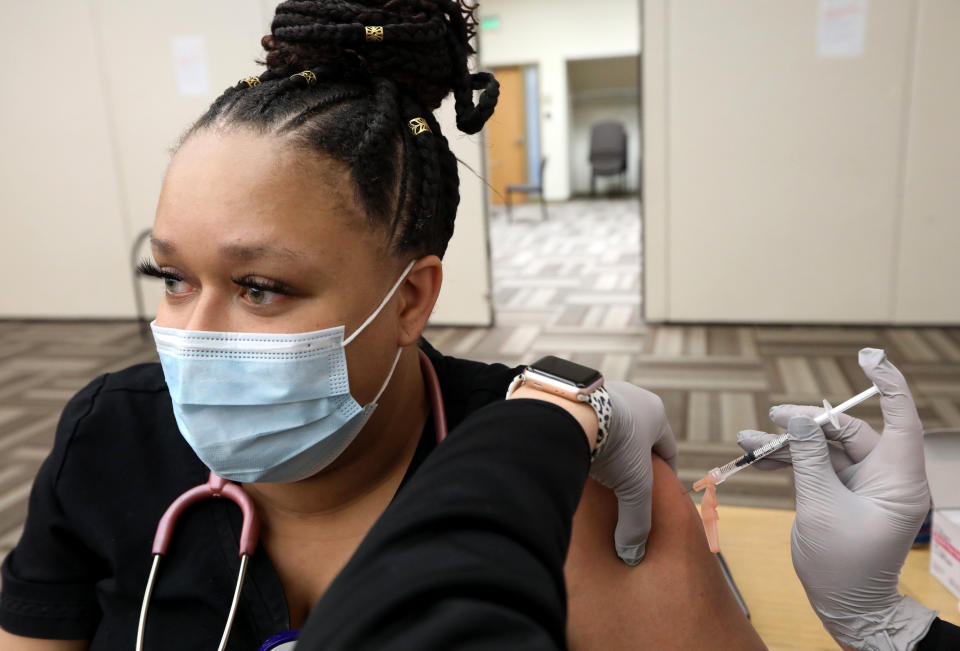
{"x": 250, "y": 531}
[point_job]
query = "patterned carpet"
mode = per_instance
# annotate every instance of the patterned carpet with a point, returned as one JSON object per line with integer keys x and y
{"x": 553, "y": 294}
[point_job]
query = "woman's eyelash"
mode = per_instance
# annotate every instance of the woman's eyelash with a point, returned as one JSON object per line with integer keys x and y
{"x": 263, "y": 284}
{"x": 147, "y": 268}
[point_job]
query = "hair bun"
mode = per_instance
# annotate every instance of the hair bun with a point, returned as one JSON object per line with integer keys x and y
{"x": 423, "y": 47}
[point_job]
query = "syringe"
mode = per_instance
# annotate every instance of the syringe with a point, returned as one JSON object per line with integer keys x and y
{"x": 720, "y": 474}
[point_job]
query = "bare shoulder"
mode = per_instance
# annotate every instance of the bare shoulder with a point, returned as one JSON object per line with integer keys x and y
{"x": 676, "y": 598}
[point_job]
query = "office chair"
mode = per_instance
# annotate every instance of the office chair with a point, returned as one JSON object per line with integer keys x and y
{"x": 608, "y": 153}
{"x": 536, "y": 188}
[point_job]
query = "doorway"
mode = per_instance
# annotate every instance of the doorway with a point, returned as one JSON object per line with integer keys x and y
{"x": 573, "y": 270}
{"x": 513, "y": 133}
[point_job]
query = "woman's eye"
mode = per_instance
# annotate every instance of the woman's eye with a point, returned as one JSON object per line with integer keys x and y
{"x": 260, "y": 296}
{"x": 175, "y": 286}
{"x": 262, "y": 291}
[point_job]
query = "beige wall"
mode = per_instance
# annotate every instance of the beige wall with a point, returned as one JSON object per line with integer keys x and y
{"x": 465, "y": 299}
{"x": 62, "y": 229}
{"x": 88, "y": 132}
{"x": 549, "y": 33}
{"x": 782, "y": 186}
{"x": 928, "y": 264}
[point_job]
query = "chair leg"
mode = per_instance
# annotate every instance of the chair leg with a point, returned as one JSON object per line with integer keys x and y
{"x": 593, "y": 185}
{"x": 543, "y": 207}
{"x": 509, "y": 207}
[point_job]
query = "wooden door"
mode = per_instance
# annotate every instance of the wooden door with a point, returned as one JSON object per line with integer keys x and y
{"x": 506, "y": 136}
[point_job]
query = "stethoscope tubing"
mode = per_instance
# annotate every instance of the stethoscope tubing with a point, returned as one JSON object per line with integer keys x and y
{"x": 436, "y": 397}
{"x": 250, "y": 531}
{"x": 142, "y": 625}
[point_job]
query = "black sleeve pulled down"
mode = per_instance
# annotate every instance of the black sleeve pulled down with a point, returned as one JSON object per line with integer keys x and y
{"x": 470, "y": 554}
{"x": 942, "y": 636}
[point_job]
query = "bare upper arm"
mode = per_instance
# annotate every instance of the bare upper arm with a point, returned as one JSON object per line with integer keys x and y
{"x": 11, "y": 642}
{"x": 676, "y": 598}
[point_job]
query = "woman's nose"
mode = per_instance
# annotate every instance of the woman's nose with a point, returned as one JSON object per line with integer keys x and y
{"x": 208, "y": 313}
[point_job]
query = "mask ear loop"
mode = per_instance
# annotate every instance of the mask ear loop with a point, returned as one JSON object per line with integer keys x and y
{"x": 386, "y": 300}
{"x": 389, "y": 377}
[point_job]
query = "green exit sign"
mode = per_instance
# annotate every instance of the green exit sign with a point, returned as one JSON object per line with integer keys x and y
{"x": 490, "y": 23}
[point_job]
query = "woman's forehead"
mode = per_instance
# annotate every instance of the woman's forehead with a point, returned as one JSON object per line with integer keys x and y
{"x": 238, "y": 187}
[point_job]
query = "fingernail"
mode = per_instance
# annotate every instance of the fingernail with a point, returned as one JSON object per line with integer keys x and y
{"x": 632, "y": 554}
{"x": 871, "y": 356}
{"x": 802, "y": 428}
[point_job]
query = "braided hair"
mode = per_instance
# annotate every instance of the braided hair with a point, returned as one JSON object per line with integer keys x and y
{"x": 332, "y": 87}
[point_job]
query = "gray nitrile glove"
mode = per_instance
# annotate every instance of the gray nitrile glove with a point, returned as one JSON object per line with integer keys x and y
{"x": 638, "y": 424}
{"x": 858, "y": 512}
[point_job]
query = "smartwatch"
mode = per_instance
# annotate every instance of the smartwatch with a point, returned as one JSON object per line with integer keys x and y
{"x": 571, "y": 381}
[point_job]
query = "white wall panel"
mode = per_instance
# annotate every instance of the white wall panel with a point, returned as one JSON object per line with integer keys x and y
{"x": 149, "y": 112}
{"x": 655, "y": 221}
{"x": 62, "y": 246}
{"x": 928, "y": 262}
{"x": 465, "y": 297}
{"x": 774, "y": 190}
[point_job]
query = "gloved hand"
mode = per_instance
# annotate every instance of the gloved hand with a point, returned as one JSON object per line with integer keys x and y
{"x": 638, "y": 425}
{"x": 858, "y": 511}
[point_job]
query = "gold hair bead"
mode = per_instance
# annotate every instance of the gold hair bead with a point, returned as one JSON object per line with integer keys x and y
{"x": 251, "y": 81}
{"x": 374, "y": 34}
{"x": 308, "y": 75}
{"x": 419, "y": 125}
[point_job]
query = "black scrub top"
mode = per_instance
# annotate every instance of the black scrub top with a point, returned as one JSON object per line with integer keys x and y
{"x": 118, "y": 461}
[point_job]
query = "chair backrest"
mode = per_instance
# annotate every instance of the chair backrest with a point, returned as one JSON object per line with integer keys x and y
{"x": 539, "y": 181}
{"x": 608, "y": 140}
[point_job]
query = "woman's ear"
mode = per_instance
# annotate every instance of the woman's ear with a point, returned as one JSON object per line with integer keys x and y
{"x": 418, "y": 295}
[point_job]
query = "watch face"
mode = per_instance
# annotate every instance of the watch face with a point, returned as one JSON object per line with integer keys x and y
{"x": 566, "y": 371}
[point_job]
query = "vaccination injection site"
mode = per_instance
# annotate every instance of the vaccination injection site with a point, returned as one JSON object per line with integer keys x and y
{"x": 480, "y": 324}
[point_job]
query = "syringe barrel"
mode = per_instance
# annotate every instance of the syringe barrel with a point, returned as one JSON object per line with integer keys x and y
{"x": 770, "y": 447}
{"x": 720, "y": 473}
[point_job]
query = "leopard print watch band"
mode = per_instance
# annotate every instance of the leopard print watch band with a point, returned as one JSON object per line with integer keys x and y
{"x": 599, "y": 400}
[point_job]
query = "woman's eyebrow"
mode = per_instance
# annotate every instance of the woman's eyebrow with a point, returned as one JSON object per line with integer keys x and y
{"x": 239, "y": 252}
{"x": 163, "y": 246}
{"x": 249, "y": 252}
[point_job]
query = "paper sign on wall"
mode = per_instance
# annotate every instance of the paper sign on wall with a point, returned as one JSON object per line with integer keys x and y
{"x": 841, "y": 28}
{"x": 190, "y": 65}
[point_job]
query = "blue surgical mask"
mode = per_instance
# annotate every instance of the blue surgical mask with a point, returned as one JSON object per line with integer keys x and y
{"x": 265, "y": 407}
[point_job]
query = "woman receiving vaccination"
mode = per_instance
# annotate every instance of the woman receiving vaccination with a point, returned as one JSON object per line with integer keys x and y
{"x": 299, "y": 234}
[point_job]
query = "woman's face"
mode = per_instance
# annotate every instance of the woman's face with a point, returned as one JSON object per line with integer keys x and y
{"x": 255, "y": 236}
